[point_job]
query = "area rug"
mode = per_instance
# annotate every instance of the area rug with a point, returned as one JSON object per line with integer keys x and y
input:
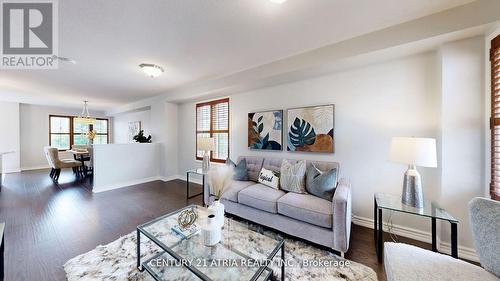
{"x": 117, "y": 261}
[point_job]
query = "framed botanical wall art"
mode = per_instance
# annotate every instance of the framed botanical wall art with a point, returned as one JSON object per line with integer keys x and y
{"x": 265, "y": 130}
{"x": 310, "y": 129}
{"x": 133, "y": 129}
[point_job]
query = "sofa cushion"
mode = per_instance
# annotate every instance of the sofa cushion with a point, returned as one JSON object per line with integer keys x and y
{"x": 293, "y": 176}
{"x": 260, "y": 197}
{"x": 269, "y": 178}
{"x": 405, "y": 262}
{"x": 231, "y": 193}
{"x": 240, "y": 170}
{"x": 273, "y": 164}
{"x": 254, "y": 165}
{"x": 484, "y": 216}
{"x": 325, "y": 166}
{"x": 307, "y": 208}
{"x": 321, "y": 184}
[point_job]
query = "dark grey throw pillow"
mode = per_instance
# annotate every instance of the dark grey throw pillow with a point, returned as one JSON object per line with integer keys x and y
{"x": 240, "y": 170}
{"x": 321, "y": 184}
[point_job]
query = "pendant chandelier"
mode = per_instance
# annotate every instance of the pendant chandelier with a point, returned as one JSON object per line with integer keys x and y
{"x": 85, "y": 117}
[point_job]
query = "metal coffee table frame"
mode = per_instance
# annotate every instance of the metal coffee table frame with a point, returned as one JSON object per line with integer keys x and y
{"x": 143, "y": 266}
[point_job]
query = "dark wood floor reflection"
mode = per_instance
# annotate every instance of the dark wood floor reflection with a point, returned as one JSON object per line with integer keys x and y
{"x": 47, "y": 224}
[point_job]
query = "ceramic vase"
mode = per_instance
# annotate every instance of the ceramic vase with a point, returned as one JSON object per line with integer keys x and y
{"x": 219, "y": 211}
{"x": 211, "y": 231}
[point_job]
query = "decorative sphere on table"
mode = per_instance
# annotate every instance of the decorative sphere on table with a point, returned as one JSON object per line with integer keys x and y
{"x": 186, "y": 218}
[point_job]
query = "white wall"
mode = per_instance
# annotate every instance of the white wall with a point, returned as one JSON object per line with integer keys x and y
{"x": 463, "y": 130}
{"x": 120, "y": 165}
{"x": 437, "y": 94}
{"x": 372, "y": 104}
{"x": 9, "y": 136}
{"x": 162, "y": 127}
{"x": 120, "y": 124}
{"x": 171, "y": 148}
{"x": 35, "y": 132}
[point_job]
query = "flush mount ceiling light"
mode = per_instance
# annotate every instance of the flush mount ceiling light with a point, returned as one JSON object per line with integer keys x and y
{"x": 278, "y": 1}
{"x": 151, "y": 70}
{"x": 54, "y": 57}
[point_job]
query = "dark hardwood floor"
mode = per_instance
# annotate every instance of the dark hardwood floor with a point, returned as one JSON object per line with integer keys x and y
{"x": 48, "y": 224}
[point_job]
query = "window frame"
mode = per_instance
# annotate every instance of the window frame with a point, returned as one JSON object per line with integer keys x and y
{"x": 71, "y": 129}
{"x": 494, "y": 121}
{"x": 211, "y": 131}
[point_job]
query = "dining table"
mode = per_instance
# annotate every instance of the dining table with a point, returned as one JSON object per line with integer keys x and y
{"x": 81, "y": 155}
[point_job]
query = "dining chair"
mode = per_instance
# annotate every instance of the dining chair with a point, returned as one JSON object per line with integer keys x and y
{"x": 52, "y": 155}
{"x": 89, "y": 164}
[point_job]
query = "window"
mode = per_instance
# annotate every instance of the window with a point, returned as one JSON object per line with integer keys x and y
{"x": 60, "y": 132}
{"x": 212, "y": 120}
{"x": 66, "y": 131}
{"x": 495, "y": 118}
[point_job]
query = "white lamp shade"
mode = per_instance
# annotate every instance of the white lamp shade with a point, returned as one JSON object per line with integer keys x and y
{"x": 206, "y": 144}
{"x": 414, "y": 151}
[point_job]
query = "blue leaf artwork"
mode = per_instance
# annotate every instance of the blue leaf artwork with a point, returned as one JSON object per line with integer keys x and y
{"x": 310, "y": 129}
{"x": 301, "y": 133}
{"x": 265, "y": 130}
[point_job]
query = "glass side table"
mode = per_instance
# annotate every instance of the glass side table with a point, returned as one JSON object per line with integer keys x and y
{"x": 203, "y": 174}
{"x": 383, "y": 201}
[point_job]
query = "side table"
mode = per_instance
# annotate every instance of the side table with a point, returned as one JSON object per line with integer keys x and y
{"x": 203, "y": 174}
{"x": 431, "y": 210}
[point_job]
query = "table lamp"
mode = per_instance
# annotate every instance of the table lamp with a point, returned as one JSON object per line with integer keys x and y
{"x": 413, "y": 152}
{"x": 207, "y": 145}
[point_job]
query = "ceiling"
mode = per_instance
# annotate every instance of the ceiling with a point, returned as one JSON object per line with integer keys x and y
{"x": 194, "y": 40}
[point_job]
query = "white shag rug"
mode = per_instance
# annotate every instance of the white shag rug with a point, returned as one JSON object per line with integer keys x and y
{"x": 117, "y": 260}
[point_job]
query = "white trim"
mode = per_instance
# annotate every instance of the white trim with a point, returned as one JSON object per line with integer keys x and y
{"x": 396, "y": 229}
{"x": 169, "y": 178}
{"x": 424, "y": 236}
{"x": 463, "y": 252}
{"x": 98, "y": 189}
{"x": 10, "y": 171}
{"x": 41, "y": 167}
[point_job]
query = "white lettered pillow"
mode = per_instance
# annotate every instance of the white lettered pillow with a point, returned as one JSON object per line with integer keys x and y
{"x": 269, "y": 178}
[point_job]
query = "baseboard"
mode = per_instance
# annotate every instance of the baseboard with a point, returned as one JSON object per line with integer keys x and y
{"x": 98, "y": 189}
{"x": 404, "y": 231}
{"x": 463, "y": 252}
{"x": 169, "y": 178}
{"x": 416, "y": 234}
{"x": 10, "y": 171}
{"x": 42, "y": 167}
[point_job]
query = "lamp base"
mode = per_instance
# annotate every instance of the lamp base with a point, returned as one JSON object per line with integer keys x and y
{"x": 412, "y": 188}
{"x": 205, "y": 165}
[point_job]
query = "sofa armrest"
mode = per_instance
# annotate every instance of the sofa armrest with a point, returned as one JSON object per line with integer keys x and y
{"x": 341, "y": 205}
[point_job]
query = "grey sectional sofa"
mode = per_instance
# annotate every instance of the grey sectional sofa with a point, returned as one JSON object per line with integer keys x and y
{"x": 320, "y": 221}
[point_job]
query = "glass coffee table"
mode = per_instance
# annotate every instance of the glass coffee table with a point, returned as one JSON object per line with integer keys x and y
{"x": 244, "y": 252}
{"x": 383, "y": 201}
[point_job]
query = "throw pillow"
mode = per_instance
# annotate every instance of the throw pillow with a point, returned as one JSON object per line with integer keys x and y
{"x": 269, "y": 178}
{"x": 240, "y": 170}
{"x": 293, "y": 176}
{"x": 321, "y": 184}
